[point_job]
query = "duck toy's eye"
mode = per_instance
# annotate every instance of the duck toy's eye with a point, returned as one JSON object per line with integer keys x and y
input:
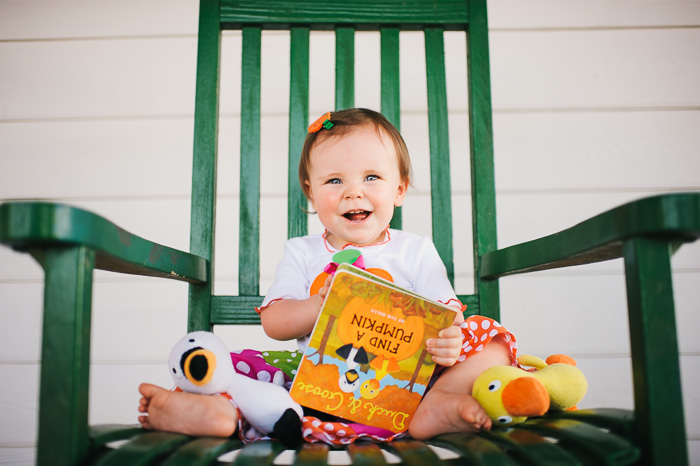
{"x": 495, "y": 385}
{"x": 505, "y": 420}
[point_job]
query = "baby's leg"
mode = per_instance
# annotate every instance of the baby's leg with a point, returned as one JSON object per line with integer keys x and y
{"x": 186, "y": 413}
{"x": 448, "y": 406}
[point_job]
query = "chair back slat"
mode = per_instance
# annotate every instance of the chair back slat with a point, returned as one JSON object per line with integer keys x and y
{"x": 484, "y": 235}
{"x": 365, "y": 13}
{"x": 441, "y": 193}
{"x": 297, "y": 220}
{"x": 249, "y": 228}
{"x": 206, "y": 124}
{"x": 391, "y": 90}
{"x": 344, "y": 68}
{"x": 206, "y": 121}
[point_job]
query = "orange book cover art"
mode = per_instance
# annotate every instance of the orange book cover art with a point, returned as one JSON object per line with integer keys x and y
{"x": 366, "y": 360}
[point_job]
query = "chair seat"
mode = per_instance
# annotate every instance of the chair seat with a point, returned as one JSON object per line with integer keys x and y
{"x": 600, "y": 436}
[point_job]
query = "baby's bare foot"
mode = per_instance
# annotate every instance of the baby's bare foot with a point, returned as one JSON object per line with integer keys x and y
{"x": 186, "y": 413}
{"x": 444, "y": 412}
{"x": 471, "y": 415}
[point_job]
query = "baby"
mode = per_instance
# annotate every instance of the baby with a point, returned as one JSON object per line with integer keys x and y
{"x": 354, "y": 170}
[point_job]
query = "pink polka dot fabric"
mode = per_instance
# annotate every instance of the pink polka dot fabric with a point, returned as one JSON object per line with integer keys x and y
{"x": 252, "y": 363}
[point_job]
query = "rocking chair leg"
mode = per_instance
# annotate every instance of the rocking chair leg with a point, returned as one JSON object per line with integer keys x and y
{"x": 65, "y": 359}
{"x": 660, "y": 425}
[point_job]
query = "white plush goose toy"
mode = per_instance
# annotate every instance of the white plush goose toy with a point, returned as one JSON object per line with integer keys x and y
{"x": 200, "y": 363}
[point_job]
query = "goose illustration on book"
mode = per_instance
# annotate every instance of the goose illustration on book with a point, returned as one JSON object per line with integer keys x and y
{"x": 354, "y": 357}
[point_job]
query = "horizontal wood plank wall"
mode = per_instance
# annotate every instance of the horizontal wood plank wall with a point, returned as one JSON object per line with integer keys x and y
{"x": 595, "y": 104}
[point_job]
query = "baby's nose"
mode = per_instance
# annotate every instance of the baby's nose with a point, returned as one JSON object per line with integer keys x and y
{"x": 353, "y": 193}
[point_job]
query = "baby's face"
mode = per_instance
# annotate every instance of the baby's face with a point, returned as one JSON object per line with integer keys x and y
{"x": 355, "y": 183}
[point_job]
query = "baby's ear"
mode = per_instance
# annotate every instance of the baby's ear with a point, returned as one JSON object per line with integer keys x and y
{"x": 400, "y": 193}
{"x": 310, "y": 196}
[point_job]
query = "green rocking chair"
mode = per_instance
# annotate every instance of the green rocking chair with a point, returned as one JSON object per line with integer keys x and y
{"x": 70, "y": 243}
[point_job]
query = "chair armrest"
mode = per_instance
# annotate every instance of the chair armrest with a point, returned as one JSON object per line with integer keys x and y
{"x": 36, "y": 226}
{"x": 674, "y": 217}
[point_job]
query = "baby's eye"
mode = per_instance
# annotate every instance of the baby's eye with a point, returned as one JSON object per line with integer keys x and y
{"x": 371, "y": 178}
{"x": 333, "y": 181}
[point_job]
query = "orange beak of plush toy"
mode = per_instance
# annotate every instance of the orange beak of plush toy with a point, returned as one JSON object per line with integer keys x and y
{"x": 525, "y": 396}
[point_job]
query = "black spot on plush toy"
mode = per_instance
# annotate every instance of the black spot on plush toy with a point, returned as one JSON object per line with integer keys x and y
{"x": 200, "y": 363}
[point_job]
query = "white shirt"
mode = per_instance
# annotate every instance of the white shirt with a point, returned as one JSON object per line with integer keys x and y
{"x": 411, "y": 260}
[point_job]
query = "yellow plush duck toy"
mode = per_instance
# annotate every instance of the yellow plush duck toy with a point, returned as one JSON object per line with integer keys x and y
{"x": 510, "y": 395}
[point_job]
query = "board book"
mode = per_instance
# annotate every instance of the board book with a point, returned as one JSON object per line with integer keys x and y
{"x": 367, "y": 360}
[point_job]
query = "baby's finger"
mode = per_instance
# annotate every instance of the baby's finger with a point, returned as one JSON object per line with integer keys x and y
{"x": 451, "y": 332}
{"x": 450, "y": 343}
{"x": 444, "y": 356}
{"x": 446, "y": 362}
{"x": 445, "y": 352}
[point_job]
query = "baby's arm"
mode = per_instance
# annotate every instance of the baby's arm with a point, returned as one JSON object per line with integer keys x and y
{"x": 289, "y": 319}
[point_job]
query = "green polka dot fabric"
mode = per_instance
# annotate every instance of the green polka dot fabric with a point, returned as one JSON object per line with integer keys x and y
{"x": 286, "y": 361}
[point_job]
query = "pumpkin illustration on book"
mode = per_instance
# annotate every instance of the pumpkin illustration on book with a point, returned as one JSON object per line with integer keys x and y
{"x": 383, "y": 331}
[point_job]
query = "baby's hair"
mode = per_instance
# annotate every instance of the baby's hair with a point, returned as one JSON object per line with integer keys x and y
{"x": 345, "y": 121}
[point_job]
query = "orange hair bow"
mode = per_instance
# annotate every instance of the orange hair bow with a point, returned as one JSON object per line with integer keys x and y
{"x": 323, "y": 122}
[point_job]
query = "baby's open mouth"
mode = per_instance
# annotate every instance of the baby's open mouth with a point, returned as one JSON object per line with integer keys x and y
{"x": 357, "y": 215}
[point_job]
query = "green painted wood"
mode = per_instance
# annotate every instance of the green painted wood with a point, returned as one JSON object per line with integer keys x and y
{"x": 206, "y": 128}
{"x": 297, "y": 219}
{"x": 366, "y": 454}
{"x": 600, "y": 446}
{"x": 65, "y": 356}
{"x": 653, "y": 340}
{"x": 235, "y": 310}
{"x": 202, "y": 451}
{"x": 144, "y": 449}
{"x": 473, "y": 449}
{"x": 249, "y": 226}
{"x": 671, "y": 216}
{"x": 440, "y": 187}
{"x": 36, "y": 225}
{"x": 391, "y": 91}
{"x": 344, "y": 68}
{"x": 530, "y": 448}
{"x": 101, "y": 435}
{"x": 364, "y": 14}
{"x": 390, "y": 76}
{"x": 312, "y": 454}
{"x": 258, "y": 453}
{"x": 472, "y": 303}
{"x": 484, "y": 235}
{"x": 413, "y": 452}
{"x": 619, "y": 421}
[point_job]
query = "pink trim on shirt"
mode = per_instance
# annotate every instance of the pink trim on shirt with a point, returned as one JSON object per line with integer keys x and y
{"x": 449, "y": 303}
{"x": 262, "y": 308}
{"x": 329, "y": 246}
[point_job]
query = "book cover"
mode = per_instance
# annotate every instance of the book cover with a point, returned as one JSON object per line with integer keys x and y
{"x": 367, "y": 360}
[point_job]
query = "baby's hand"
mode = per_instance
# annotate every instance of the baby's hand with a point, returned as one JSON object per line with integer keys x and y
{"x": 323, "y": 291}
{"x": 446, "y": 348}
